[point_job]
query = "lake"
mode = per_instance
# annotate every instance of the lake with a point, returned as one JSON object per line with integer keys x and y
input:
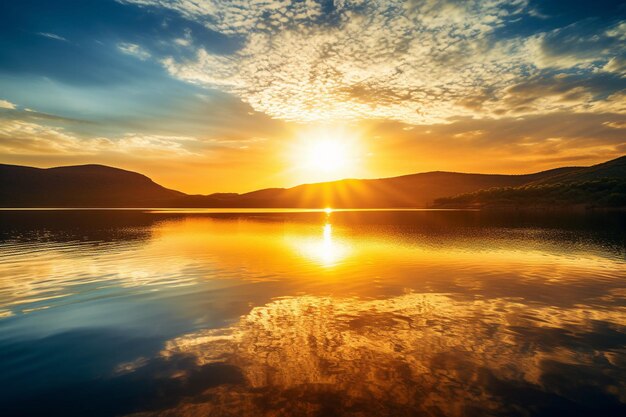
{"x": 343, "y": 313}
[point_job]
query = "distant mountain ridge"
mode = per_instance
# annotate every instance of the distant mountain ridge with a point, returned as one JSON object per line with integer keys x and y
{"x": 414, "y": 190}
{"x": 102, "y": 186}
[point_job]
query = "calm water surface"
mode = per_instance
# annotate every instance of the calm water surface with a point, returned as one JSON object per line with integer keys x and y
{"x": 157, "y": 313}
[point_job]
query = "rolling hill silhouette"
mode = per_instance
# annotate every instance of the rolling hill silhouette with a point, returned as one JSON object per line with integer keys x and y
{"x": 615, "y": 168}
{"x": 79, "y": 186}
{"x": 102, "y": 186}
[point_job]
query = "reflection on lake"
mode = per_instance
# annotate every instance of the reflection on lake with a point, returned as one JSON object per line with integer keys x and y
{"x": 110, "y": 313}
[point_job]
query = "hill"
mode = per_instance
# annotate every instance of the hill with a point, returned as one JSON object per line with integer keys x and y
{"x": 601, "y": 185}
{"x": 615, "y": 169}
{"x": 101, "y": 186}
{"x": 79, "y": 186}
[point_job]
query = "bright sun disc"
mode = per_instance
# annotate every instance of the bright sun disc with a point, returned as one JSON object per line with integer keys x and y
{"x": 327, "y": 153}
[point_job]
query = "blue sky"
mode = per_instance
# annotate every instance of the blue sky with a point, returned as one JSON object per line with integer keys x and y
{"x": 205, "y": 95}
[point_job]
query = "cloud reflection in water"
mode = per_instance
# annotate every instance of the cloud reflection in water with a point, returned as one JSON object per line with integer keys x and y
{"x": 414, "y": 354}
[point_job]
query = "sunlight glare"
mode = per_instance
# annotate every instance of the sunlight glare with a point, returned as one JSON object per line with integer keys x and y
{"x": 327, "y": 153}
{"x": 327, "y": 251}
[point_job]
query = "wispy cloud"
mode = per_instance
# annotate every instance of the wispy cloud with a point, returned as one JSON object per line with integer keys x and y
{"x": 134, "y": 49}
{"x": 27, "y": 138}
{"x": 4, "y": 104}
{"x": 53, "y": 36}
{"x": 507, "y": 144}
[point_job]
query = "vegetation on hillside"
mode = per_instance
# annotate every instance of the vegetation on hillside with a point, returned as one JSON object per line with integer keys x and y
{"x": 605, "y": 192}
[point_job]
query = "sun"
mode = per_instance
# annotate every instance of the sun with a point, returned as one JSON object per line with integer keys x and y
{"x": 327, "y": 153}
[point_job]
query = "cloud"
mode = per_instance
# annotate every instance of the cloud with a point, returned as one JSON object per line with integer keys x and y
{"x": 27, "y": 139}
{"x": 580, "y": 45}
{"x": 4, "y": 104}
{"x": 508, "y": 144}
{"x": 153, "y": 145}
{"x": 240, "y": 17}
{"x": 31, "y": 138}
{"x": 549, "y": 92}
{"x": 617, "y": 65}
{"x": 379, "y": 63}
{"x": 134, "y": 50}
{"x": 616, "y": 125}
{"x": 419, "y": 62}
{"x": 52, "y": 36}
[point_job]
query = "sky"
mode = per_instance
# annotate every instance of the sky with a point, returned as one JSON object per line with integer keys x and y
{"x": 231, "y": 96}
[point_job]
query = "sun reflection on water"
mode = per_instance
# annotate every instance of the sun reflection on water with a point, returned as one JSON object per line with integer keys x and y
{"x": 327, "y": 250}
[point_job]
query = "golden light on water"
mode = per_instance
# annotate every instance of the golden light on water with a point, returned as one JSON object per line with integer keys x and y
{"x": 327, "y": 250}
{"x": 300, "y": 251}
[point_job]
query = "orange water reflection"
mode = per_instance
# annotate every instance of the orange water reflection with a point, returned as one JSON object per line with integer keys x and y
{"x": 192, "y": 250}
